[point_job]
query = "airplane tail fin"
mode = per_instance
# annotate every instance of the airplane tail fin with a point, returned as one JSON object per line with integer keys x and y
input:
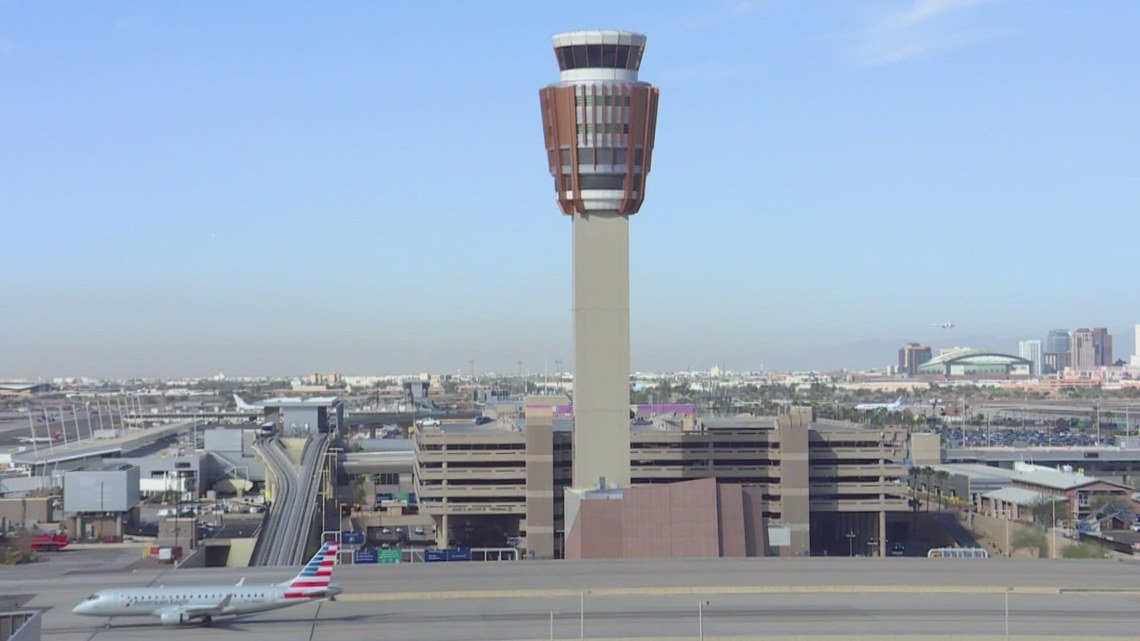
{"x": 241, "y": 405}
{"x": 316, "y": 576}
{"x": 899, "y": 400}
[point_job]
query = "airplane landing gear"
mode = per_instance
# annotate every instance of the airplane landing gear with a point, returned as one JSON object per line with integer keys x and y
{"x": 207, "y": 621}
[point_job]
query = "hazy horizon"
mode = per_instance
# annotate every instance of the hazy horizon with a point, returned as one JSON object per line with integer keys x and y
{"x": 193, "y": 189}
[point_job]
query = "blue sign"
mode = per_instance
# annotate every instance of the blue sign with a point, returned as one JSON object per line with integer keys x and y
{"x": 459, "y": 554}
{"x": 432, "y": 556}
{"x": 366, "y": 556}
{"x": 352, "y": 538}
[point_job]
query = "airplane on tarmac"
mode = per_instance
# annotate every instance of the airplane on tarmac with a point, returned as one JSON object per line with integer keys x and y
{"x": 39, "y": 439}
{"x": 246, "y": 407}
{"x": 890, "y": 407}
{"x": 945, "y": 325}
{"x": 177, "y": 605}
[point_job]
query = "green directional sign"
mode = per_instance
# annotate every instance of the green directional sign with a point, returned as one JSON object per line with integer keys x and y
{"x": 390, "y": 555}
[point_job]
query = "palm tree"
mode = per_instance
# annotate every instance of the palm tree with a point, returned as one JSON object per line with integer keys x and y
{"x": 942, "y": 476}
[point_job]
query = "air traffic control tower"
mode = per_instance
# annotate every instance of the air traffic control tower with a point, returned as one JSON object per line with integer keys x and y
{"x": 598, "y": 121}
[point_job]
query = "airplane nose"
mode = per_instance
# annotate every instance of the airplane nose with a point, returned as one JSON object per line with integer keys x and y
{"x": 79, "y": 608}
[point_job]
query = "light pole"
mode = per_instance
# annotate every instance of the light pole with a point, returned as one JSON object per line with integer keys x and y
{"x": 1053, "y": 503}
{"x": 582, "y": 614}
{"x": 701, "y": 619}
{"x": 1007, "y": 613}
{"x": 850, "y": 544}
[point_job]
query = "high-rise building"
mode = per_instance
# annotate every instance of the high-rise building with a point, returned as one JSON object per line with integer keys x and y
{"x": 911, "y": 355}
{"x": 1082, "y": 355}
{"x": 1136, "y": 348}
{"x": 1056, "y": 351}
{"x": 1102, "y": 346}
{"x": 1031, "y": 350}
{"x": 599, "y": 121}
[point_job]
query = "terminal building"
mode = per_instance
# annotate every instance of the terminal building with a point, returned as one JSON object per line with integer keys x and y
{"x": 813, "y": 483}
{"x": 976, "y": 363}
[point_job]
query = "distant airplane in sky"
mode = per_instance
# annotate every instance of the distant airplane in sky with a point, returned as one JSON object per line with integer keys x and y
{"x": 246, "y": 407}
{"x": 945, "y": 325}
{"x": 178, "y": 605}
{"x": 890, "y": 407}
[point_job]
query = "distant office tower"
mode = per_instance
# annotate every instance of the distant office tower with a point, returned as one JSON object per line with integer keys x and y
{"x": 911, "y": 355}
{"x": 1136, "y": 347}
{"x": 599, "y": 122}
{"x": 1082, "y": 355}
{"x": 1102, "y": 346}
{"x": 1031, "y": 350}
{"x": 1056, "y": 345}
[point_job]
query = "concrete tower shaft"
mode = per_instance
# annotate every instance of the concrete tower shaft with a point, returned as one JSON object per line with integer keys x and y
{"x": 598, "y": 124}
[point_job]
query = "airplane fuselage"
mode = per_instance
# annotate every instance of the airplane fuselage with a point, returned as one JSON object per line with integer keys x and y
{"x": 154, "y": 602}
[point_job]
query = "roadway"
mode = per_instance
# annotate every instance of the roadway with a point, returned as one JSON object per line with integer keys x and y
{"x": 288, "y": 529}
{"x": 651, "y": 599}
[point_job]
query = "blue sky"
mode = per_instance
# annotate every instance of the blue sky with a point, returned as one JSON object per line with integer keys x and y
{"x": 276, "y": 188}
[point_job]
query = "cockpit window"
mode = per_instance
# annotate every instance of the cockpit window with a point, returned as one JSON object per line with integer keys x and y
{"x": 93, "y": 597}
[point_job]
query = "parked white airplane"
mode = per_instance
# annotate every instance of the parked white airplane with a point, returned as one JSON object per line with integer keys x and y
{"x": 200, "y": 604}
{"x": 890, "y": 407}
{"x": 246, "y": 407}
{"x": 39, "y": 439}
{"x": 945, "y": 325}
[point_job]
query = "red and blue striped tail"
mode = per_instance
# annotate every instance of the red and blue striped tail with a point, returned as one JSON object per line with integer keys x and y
{"x": 315, "y": 577}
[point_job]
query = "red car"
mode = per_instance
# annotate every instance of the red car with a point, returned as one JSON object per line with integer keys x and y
{"x": 49, "y": 542}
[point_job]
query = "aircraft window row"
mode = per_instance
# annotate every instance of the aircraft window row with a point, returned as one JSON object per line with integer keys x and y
{"x": 186, "y": 596}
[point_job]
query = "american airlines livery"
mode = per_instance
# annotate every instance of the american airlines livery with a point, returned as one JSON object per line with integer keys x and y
{"x": 200, "y": 604}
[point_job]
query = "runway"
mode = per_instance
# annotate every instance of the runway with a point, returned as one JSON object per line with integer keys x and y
{"x": 739, "y": 599}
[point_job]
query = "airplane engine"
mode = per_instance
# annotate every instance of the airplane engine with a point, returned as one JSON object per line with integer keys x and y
{"x": 173, "y": 618}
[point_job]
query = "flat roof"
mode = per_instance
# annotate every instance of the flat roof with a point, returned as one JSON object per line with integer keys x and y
{"x": 1016, "y": 495}
{"x": 1056, "y": 479}
{"x": 315, "y": 401}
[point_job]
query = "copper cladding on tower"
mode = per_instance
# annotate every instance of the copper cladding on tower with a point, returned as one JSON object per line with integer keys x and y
{"x": 594, "y": 117}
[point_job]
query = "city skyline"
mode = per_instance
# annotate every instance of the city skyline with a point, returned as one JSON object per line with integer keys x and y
{"x": 192, "y": 191}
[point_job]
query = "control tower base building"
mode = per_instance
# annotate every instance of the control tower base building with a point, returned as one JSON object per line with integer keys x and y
{"x": 598, "y": 123}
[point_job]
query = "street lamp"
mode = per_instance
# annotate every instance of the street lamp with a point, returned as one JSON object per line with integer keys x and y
{"x": 850, "y": 544}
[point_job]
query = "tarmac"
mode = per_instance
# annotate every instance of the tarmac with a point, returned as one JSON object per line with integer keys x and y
{"x": 726, "y": 599}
